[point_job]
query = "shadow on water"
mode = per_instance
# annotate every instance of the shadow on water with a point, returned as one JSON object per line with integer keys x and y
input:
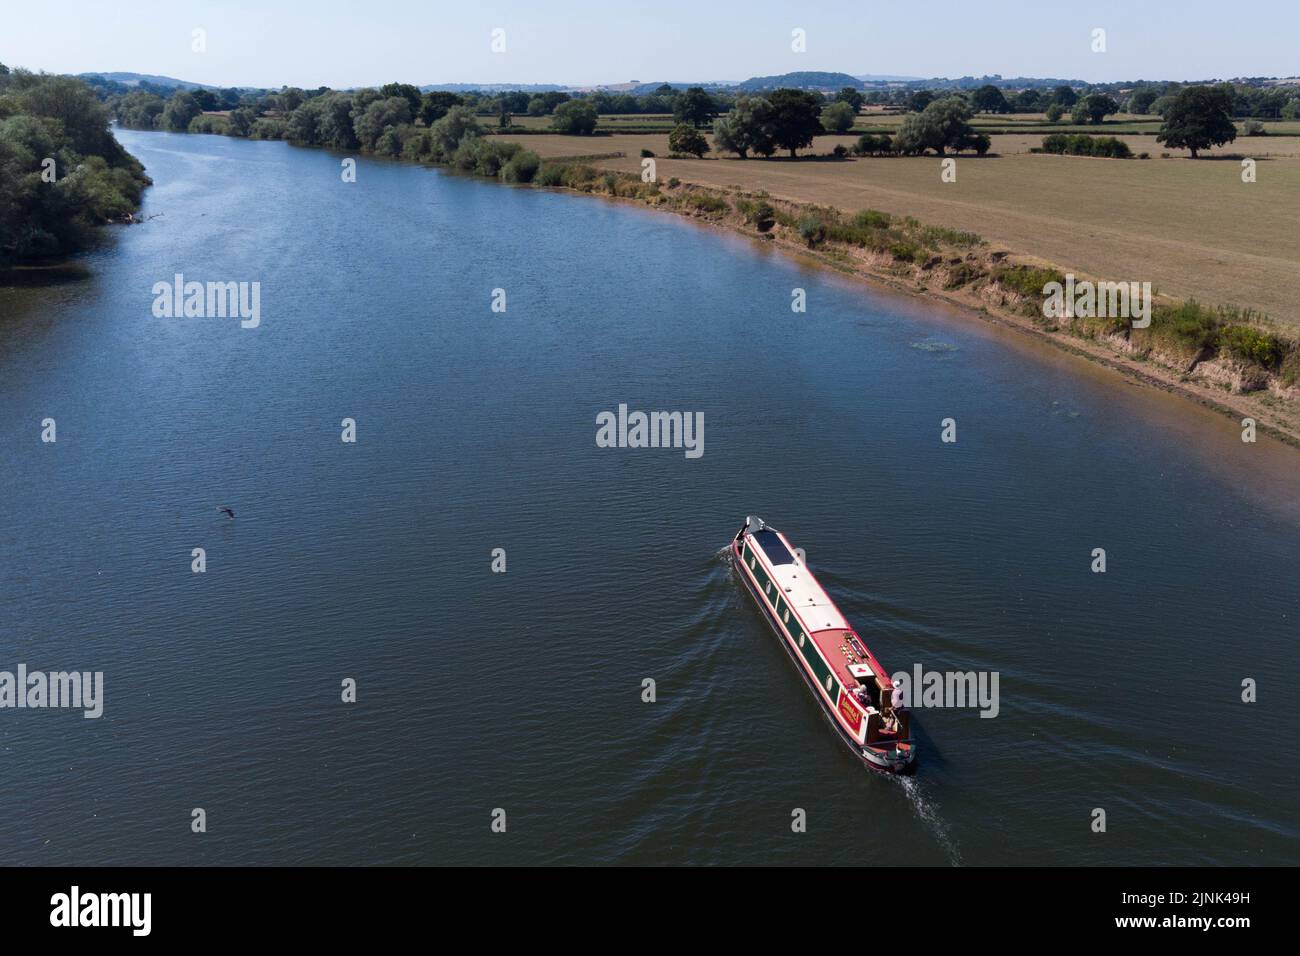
{"x": 44, "y": 277}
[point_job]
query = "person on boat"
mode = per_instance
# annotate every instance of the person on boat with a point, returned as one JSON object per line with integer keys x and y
{"x": 888, "y": 719}
{"x": 896, "y": 697}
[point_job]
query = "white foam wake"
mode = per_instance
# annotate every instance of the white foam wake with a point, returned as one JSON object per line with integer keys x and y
{"x": 928, "y": 814}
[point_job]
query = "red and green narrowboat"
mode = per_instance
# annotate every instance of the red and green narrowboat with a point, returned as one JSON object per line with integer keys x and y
{"x": 853, "y": 690}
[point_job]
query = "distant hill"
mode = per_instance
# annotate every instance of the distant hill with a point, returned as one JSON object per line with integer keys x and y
{"x": 494, "y": 87}
{"x": 642, "y": 88}
{"x": 885, "y": 78}
{"x": 136, "y": 79}
{"x": 1011, "y": 83}
{"x": 804, "y": 80}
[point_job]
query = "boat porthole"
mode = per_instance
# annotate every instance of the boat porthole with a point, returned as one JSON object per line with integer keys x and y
{"x": 787, "y": 616}
{"x": 829, "y": 679}
{"x": 752, "y": 561}
{"x": 768, "y": 588}
{"x": 801, "y": 636}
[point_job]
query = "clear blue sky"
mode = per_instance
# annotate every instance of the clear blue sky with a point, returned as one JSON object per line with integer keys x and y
{"x": 343, "y": 43}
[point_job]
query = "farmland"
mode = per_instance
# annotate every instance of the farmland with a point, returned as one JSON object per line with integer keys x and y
{"x": 1192, "y": 228}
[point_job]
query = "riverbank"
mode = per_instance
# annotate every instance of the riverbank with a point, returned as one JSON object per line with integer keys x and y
{"x": 1187, "y": 351}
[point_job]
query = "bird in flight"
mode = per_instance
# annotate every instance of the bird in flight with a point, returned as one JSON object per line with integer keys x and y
{"x": 226, "y": 511}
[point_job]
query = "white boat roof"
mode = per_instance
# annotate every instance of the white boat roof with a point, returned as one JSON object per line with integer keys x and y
{"x": 806, "y": 596}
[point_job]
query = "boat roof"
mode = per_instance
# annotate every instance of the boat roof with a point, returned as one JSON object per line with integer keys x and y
{"x": 806, "y": 596}
{"x": 840, "y": 645}
{"x": 800, "y": 588}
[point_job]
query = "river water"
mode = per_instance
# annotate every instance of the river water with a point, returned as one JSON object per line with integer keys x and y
{"x": 522, "y": 691}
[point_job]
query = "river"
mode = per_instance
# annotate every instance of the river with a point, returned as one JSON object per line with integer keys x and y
{"x": 522, "y": 691}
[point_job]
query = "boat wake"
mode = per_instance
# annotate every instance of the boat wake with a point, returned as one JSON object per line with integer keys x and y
{"x": 928, "y": 814}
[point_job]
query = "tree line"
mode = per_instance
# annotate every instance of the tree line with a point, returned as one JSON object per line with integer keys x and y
{"x": 790, "y": 119}
{"x": 396, "y": 119}
{"x": 1246, "y": 99}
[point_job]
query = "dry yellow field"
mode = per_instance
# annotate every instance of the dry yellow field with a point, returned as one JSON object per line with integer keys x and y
{"x": 1264, "y": 147}
{"x": 1192, "y": 228}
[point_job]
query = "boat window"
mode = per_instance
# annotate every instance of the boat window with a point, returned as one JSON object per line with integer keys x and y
{"x": 770, "y": 542}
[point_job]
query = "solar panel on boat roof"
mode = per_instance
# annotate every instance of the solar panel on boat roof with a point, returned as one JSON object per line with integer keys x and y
{"x": 770, "y": 542}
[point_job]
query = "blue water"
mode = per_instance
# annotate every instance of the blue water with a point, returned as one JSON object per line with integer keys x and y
{"x": 522, "y": 691}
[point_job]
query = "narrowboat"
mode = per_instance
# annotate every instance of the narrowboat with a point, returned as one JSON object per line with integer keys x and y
{"x": 853, "y": 690}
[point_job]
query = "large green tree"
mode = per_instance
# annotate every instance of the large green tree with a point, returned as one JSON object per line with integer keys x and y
{"x": 178, "y": 112}
{"x": 687, "y": 139}
{"x": 241, "y": 121}
{"x": 302, "y": 126}
{"x": 796, "y": 119}
{"x": 748, "y": 128}
{"x": 695, "y": 106}
{"x": 989, "y": 99}
{"x": 370, "y": 124}
{"x": 576, "y": 117}
{"x": 434, "y": 105}
{"x": 1199, "y": 118}
{"x": 75, "y": 107}
{"x": 1093, "y": 108}
{"x": 943, "y": 125}
{"x": 288, "y": 99}
{"x": 138, "y": 110}
{"x": 838, "y": 117}
{"x": 335, "y": 127}
{"x": 407, "y": 92}
{"x": 448, "y": 133}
